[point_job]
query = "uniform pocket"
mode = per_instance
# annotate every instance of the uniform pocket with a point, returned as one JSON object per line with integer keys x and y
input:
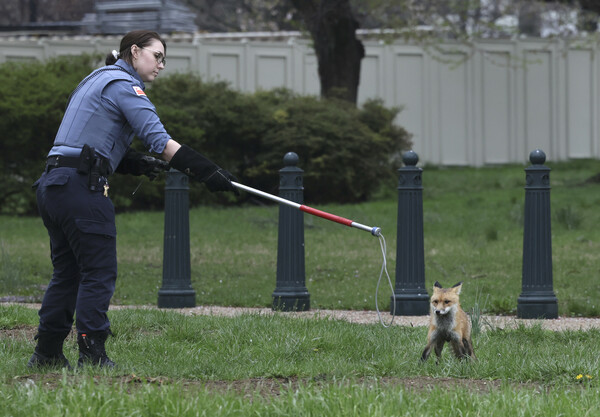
{"x": 56, "y": 180}
{"x": 94, "y": 227}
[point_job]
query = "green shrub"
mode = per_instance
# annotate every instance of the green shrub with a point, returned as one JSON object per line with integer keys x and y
{"x": 343, "y": 158}
{"x": 346, "y": 152}
{"x": 34, "y": 97}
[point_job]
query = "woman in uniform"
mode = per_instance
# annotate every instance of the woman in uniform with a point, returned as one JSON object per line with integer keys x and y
{"x": 106, "y": 110}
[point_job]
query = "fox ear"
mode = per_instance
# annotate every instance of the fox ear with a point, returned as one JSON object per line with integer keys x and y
{"x": 437, "y": 285}
{"x": 457, "y": 287}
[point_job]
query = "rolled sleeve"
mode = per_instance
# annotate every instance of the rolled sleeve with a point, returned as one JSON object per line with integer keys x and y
{"x": 139, "y": 112}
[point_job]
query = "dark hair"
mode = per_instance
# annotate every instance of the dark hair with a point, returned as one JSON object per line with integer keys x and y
{"x": 140, "y": 38}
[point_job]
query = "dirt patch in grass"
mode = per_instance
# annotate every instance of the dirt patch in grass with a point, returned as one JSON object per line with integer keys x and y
{"x": 273, "y": 387}
{"x": 266, "y": 387}
{"x": 421, "y": 383}
{"x": 21, "y": 332}
{"x": 27, "y": 332}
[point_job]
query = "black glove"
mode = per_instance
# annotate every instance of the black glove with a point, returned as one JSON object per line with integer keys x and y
{"x": 220, "y": 180}
{"x": 202, "y": 169}
{"x": 137, "y": 163}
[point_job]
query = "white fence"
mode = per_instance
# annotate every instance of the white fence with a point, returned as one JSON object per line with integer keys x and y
{"x": 504, "y": 100}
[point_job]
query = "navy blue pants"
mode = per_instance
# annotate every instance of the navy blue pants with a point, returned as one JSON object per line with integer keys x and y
{"x": 81, "y": 225}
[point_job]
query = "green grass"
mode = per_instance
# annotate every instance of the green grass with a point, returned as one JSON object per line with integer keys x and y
{"x": 170, "y": 364}
{"x": 88, "y": 398}
{"x": 275, "y": 365}
{"x": 473, "y": 233}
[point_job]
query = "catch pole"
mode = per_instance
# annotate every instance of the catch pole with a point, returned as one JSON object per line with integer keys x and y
{"x": 375, "y": 231}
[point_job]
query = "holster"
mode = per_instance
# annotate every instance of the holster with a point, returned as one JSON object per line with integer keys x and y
{"x": 86, "y": 159}
{"x": 92, "y": 165}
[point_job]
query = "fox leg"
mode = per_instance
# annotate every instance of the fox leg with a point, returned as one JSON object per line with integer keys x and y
{"x": 426, "y": 352}
{"x": 460, "y": 351}
{"x": 438, "y": 349}
{"x": 437, "y": 346}
{"x": 433, "y": 342}
{"x": 469, "y": 348}
{"x": 431, "y": 337}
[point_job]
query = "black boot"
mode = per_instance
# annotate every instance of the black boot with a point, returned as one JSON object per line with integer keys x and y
{"x": 49, "y": 351}
{"x": 91, "y": 349}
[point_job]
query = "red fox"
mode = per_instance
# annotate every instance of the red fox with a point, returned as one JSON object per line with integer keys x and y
{"x": 448, "y": 323}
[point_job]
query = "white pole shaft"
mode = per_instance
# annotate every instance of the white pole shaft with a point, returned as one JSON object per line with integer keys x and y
{"x": 375, "y": 231}
{"x": 265, "y": 195}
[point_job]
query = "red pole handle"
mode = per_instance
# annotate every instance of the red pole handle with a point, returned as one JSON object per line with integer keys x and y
{"x": 326, "y": 215}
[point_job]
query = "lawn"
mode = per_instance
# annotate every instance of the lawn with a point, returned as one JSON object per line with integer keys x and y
{"x": 277, "y": 365}
{"x": 171, "y": 364}
{"x": 473, "y": 227}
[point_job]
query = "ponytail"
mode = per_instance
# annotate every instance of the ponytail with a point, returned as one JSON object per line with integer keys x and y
{"x": 112, "y": 57}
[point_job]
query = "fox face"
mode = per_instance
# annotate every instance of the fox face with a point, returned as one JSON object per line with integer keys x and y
{"x": 445, "y": 300}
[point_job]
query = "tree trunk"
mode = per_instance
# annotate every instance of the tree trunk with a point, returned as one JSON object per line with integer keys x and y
{"x": 333, "y": 29}
{"x": 33, "y": 13}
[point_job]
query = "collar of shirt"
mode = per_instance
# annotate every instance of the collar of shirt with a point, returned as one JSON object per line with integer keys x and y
{"x": 123, "y": 64}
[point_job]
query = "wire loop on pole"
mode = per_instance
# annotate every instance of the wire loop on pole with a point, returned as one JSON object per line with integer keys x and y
{"x": 383, "y": 246}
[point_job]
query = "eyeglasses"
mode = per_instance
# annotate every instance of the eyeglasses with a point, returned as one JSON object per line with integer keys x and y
{"x": 160, "y": 58}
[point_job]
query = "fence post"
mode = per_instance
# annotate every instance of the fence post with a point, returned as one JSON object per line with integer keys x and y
{"x": 411, "y": 297}
{"x": 290, "y": 292}
{"x": 176, "y": 290}
{"x": 537, "y": 299}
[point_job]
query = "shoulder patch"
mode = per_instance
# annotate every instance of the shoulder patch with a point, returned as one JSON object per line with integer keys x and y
{"x": 138, "y": 91}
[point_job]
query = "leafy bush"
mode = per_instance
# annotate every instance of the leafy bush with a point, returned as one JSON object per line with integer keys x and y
{"x": 344, "y": 158}
{"x": 345, "y": 152}
{"x": 34, "y": 97}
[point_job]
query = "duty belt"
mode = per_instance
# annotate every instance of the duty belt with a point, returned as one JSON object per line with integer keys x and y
{"x": 58, "y": 161}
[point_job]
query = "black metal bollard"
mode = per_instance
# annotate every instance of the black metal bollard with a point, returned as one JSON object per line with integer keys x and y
{"x": 537, "y": 299}
{"x": 290, "y": 292}
{"x": 176, "y": 290}
{"x": 411, "y": 297}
